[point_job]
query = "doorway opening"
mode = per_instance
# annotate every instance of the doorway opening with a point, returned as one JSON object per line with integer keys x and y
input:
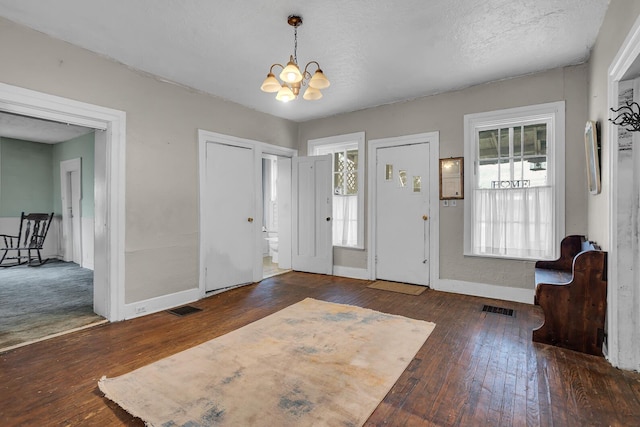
{"x": 40, "y": 172}
{"x": 232, "y": 243}
{"x": 272, "y": 216}
{"x": 108, "y": 278}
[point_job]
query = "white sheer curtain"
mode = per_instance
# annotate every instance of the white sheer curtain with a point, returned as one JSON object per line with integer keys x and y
{"x": 514, "y": 222}
{"x": 345, "y": 220}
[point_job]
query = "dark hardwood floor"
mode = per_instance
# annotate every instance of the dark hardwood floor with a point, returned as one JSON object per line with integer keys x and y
{"x": 476, "y": 368}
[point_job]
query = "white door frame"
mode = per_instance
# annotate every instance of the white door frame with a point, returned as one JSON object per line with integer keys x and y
{"x": 72, "y": 246}
{"x": 109, "y": 188}
{"x": 259, "y": 148}
{"x": 433, "y": 139}
{"x": 623, "y": 313}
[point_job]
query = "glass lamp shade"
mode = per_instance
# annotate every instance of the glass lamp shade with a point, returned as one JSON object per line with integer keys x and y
{"x": 291, "y": 73}
{"x": 319, "y": 80}
{"x": 312, "y": 94}
{"x": 285, "y": 94}
{"x": 270, "y": 84}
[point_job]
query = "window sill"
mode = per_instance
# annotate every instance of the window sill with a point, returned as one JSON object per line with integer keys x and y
{"x": 356, "y": 248}
{"x": 508, "y": 258}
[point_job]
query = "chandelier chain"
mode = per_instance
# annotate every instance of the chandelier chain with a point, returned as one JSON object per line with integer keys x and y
{"x": 295, "y": 44}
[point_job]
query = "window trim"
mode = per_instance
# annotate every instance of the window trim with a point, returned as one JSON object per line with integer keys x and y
{"x": 555, "y": 111}
{"x": 324, "y": 146}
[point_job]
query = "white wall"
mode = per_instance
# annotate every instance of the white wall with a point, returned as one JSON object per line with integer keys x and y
{"x": 162, "y": 223}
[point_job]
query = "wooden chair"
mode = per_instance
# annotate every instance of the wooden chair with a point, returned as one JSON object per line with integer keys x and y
{"x": 28, "y": 243}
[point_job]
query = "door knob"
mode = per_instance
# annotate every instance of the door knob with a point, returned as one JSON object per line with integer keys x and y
{"x": 328, "y": 218}
{"x": 424, "y": 217}
{"x": 250, "y": 219}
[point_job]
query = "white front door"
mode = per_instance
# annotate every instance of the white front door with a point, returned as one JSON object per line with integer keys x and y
{"x": 402, "y": 209}
{"x": 312, "y": 212}
{"x": 228, "y": 223}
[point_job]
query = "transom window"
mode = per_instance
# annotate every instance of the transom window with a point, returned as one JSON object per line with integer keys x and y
{"x": 515, "y": 182}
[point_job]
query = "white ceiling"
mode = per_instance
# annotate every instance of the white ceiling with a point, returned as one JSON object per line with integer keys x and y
{"x": 373, "y": 52}
{"x": 38, "y": 130}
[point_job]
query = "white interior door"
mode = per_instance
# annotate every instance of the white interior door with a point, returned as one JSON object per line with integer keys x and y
{"x": 402, "y": 209}
{"x": 284, "y": 212}
{"x": 71, "y": 193}
{"x": 229, "y": 210}
{"x": 312, "y": 249}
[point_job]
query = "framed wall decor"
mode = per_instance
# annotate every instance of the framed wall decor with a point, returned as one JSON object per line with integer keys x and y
{"x": 593, "y": 157}
{"x": 452, "y": 178}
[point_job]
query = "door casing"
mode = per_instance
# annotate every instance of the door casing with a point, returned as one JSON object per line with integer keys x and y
{"x": 110, "y": 159}
{"x": 71, "y": 193}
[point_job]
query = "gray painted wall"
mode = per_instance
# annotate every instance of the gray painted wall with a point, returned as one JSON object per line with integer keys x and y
{"x": 162, "y": 224}
{"x": 620, "y": 17}
{"x": 30, "y": 175}
{"x": 162, "y": 121}
{"x": 444, "y": 113}
{"x": 623, "y": 340}
{"x": 25, "y": 177}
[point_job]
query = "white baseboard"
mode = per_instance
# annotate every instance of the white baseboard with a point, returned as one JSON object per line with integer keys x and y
{"x": 153, "y": 305}
{"x": 351, "y": 272}
{"x": 484, "y": 290}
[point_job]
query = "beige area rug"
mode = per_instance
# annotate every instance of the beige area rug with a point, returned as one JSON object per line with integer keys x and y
{"x": 312, "y": 363}
{"x": 403, "y": 288}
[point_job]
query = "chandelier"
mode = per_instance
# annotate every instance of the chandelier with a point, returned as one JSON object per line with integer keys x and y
{"x": 292, "y": 78}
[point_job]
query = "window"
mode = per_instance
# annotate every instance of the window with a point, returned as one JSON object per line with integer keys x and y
{"x": 347, "y": 152}
{"x": 515, "y": 182}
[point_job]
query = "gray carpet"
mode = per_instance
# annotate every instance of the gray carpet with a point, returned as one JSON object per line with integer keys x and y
{"x": 36, "y": 302}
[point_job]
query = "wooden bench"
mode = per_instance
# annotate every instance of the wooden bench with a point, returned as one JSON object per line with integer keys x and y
{"x": 572, "y": 292}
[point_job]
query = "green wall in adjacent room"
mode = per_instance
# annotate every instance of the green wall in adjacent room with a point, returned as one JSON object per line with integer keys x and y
{"x": 81, "y": 147}
{"x": 30, "y": 175}
{"x": 25, "y": 177}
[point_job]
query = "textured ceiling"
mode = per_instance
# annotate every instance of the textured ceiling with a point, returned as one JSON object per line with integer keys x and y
{"x": 38, "y": 130}
{"x": 374, "y": 52}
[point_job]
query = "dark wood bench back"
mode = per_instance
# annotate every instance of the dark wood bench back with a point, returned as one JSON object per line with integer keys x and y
{"x": 569, "y": 248}
{"x": 575, "y": 309}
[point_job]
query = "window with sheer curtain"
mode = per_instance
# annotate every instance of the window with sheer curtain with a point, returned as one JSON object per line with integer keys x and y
{"x": 515, "y": 171}
{"x": 348, "y": 175}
